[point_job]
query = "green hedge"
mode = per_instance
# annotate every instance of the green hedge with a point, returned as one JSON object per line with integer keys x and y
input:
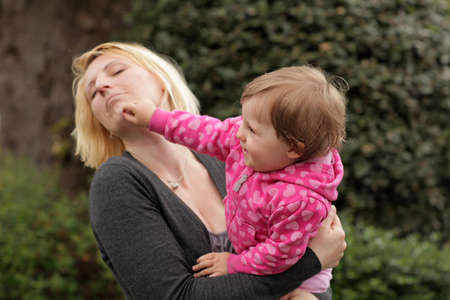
{"x": 378, "y": 265}
{"x": 47, "y": 250}
{"x": 394, "y": 54}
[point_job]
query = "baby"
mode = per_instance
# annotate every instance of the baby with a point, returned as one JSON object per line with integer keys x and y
{"x": 282, "y": 167}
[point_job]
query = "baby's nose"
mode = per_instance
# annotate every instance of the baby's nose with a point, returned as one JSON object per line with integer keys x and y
{"x": 239, "y": 134}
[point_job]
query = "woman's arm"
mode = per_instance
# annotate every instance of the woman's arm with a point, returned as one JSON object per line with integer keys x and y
{"x": 140, "y": 247}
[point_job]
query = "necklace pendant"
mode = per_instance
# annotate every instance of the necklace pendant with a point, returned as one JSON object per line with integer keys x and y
{"x": 173, "y": 185}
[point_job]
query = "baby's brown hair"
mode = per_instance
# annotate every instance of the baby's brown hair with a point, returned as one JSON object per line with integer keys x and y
{"x": 306, "y": 106}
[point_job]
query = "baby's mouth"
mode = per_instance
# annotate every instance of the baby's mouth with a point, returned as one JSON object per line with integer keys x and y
{"x": 243, "y": 148}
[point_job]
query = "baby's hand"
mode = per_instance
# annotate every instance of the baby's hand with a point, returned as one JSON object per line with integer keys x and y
{"x": 212, "y": 264}
{"x": 138, "y": 113}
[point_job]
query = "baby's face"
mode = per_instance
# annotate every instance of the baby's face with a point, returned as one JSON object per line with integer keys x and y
{"x": 263, "y": 150}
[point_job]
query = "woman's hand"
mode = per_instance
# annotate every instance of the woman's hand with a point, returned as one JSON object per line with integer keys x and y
{"x": 139, "y": 113}
{"x": 329, "y": 243}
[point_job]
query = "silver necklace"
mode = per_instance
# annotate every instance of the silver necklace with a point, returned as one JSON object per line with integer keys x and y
{"x": 174, "y": 184}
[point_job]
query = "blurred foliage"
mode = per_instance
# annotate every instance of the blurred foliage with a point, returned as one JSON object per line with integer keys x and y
{"x": 47, "y": 248}
{"x": 62, "y": 141}
{"x": 394, "y": 54}
{"x": 377, "y": 266}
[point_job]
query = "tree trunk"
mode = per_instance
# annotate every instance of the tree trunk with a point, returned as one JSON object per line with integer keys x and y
{"x": 38, "y": 40}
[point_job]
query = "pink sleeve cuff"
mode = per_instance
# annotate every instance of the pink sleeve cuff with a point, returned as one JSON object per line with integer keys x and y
{"x": 232, "y": 262}
{"x": 159, "y": 120}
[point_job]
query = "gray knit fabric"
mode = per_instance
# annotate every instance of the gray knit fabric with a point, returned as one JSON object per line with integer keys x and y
{"x": 151, "y": 239}
{"x": 328, "y": 295}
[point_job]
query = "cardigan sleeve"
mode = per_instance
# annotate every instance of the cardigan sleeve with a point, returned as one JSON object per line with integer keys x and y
{"x": 141, "y": 249}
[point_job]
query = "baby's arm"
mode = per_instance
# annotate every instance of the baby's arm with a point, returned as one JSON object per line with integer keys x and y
{"x": 292, "y": 225}
{"x": 203, "y": 134}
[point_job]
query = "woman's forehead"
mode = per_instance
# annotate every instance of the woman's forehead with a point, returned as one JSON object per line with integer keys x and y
{"x": 101, "y": 63}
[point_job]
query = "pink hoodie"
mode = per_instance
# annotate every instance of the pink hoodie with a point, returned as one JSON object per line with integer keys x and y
{"x": 271, "y": 216}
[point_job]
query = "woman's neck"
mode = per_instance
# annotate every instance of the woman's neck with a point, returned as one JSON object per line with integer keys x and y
{"x": 164, "y": 158}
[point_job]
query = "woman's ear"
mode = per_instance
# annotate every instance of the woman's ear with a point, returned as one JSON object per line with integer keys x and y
{"x": 296, "y": 150}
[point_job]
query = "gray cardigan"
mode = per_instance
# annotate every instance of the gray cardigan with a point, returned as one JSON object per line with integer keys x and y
{"x": 151, "y": 239}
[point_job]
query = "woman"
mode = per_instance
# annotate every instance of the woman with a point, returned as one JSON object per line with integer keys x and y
{"x": 155, "y": 206}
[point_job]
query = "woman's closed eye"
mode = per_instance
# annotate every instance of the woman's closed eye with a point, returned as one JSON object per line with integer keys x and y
{"x": 114, "y": 72}
{"x": 117, "y": 72}
{"x": 116, "y": 69}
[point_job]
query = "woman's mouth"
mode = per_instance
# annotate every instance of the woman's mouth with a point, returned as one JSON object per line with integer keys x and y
{"x": 112, "y": 98}
{"x": 109, "y": 103}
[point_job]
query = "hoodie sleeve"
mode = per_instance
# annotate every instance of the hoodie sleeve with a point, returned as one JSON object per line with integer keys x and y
{"x": 203, "y": 134}
{"x": 293, "y": 223}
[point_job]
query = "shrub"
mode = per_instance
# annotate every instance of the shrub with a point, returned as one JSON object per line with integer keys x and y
{"x": 378, "y": 265}
{"x": 394, "y": 54}
{"x": 46, "y": 245}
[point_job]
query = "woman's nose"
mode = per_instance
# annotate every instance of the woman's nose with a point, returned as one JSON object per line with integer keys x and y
{"x": 102, "y": 84}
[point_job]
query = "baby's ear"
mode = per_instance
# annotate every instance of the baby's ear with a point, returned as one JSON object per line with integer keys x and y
{"x": 296, "y": 150}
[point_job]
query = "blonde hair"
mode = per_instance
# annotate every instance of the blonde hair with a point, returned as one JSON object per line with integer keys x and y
{"x": 94, "y": 144}
{"x": 305, "y": 106}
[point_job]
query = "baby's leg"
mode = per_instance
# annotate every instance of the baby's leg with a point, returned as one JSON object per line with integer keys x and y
{"x": 299, "y": 294}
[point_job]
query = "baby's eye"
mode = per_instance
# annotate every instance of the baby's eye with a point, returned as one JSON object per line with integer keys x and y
{"x": 93, "y": 95}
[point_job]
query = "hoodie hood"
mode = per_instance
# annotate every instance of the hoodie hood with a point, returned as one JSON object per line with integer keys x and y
{"x": 321, "y": 175}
